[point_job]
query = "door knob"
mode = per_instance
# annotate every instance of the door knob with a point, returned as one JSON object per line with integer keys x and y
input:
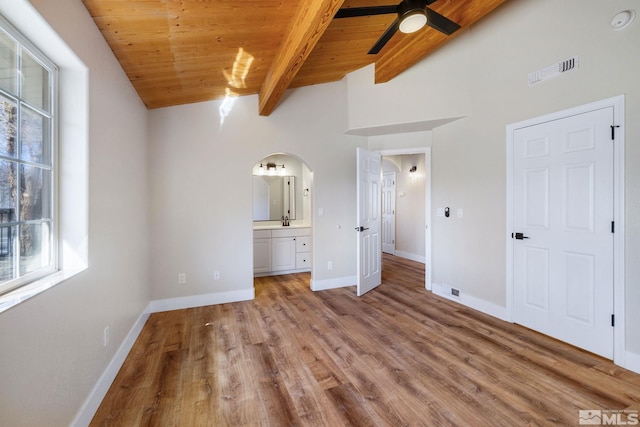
{"x": 361, "y": 228}
{"x": 519, "y": 236}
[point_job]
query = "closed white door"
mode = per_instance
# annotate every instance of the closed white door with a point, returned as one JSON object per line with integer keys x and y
{"x": 369, "y": 246}
{"x": 389, "y": 212}
{"x": 563, "y": 241}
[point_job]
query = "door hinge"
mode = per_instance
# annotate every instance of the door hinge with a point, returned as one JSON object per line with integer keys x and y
{"x": 613, "y": 226}
{"x": 613, "y": 320}
{"x": 613, "y": 131}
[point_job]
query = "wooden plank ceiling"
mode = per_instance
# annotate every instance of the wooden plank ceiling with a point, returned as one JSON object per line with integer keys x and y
{"x": 184, "y": 51}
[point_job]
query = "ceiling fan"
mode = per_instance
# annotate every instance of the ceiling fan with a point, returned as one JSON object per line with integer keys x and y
{"x": 412, "y": 16}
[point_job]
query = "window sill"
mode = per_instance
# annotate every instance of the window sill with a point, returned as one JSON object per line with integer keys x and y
{"x": 23, "y": 293}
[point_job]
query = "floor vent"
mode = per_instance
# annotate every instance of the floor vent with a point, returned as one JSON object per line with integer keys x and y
{"x": 553, "y": 70}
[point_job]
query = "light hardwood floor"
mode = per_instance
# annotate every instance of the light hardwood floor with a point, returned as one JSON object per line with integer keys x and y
{"x": 398, "y": 356}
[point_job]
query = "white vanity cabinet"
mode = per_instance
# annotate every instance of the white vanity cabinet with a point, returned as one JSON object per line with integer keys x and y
{"x": 281, "y": 251}
{"x": 261, "y": 251}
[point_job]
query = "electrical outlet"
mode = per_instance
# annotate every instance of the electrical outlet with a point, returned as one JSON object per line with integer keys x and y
{"x": 105, "y": 336}
{"x": 216, "y": 275}
{"x": 330, "y": 265}
{"x": 182, "y": 278}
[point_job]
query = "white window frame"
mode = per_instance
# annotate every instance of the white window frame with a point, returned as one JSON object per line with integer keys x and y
{"x": 73, "y": 133}
{"x": 24, "y": 44}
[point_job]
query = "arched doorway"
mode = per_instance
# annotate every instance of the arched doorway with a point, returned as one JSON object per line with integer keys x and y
{"x": 282, "y": 221}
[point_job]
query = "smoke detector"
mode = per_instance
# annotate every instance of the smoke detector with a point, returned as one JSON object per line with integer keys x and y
{"x": 623, "y": 19}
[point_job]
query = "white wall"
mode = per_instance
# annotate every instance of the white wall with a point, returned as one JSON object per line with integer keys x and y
{"x": 52, "y": 352}
{"x": 410, "y": 203}
{"x": 198, "y": 177}
{"x": 482, "y": 75}
{"x": 201, "y": 201}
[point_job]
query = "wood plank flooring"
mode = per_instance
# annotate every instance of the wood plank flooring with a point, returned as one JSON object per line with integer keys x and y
{"x": 398, "y": 356}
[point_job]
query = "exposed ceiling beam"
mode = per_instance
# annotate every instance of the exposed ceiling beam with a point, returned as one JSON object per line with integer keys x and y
{"x": 309, "y": 23}
{"x": 394, "y": 62}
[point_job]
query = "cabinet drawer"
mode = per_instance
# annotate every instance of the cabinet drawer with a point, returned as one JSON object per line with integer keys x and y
{"x": 261, "y": 234}
{"x": 290, "y": 232}
{"x": 303, "y": 244}
{"x": 303, "y": 260}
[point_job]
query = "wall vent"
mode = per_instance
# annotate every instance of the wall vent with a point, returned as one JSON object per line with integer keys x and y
{"x": 554, "y": 70}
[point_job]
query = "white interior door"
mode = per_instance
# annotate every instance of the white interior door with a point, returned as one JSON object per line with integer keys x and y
{"x": 369, "y": 220}
{"x": 389, "y": 212}
{"x": 563, "y": 241}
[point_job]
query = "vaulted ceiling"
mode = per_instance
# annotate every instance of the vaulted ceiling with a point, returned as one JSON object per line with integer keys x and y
{"x": 184, "y": 51}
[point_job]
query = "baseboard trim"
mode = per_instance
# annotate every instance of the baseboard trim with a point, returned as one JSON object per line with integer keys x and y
{"x": 91, "y": 405}
{"x": 338, "y": 282}
{"x": 412, "y": 257}
{"x": 484, "y": 306}
{"x": 201, "y": 300}
{"x": 632, "y": 361}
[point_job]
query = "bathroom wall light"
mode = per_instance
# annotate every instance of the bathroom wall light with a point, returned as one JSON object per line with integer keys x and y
{"x": 272, "y": 169}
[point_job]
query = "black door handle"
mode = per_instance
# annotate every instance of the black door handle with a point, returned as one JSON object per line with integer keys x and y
{"x": 361, "y": 228}
{"x": 519, "y": 236}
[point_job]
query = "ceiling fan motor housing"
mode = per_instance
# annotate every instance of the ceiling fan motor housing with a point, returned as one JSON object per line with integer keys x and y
{"x": 412, "y": 15}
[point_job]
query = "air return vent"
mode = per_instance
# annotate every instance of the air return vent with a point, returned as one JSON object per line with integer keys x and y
{"x": 553, "y": 70}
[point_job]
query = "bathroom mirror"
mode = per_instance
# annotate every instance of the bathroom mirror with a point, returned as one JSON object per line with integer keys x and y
{"x": 273, "y": 197}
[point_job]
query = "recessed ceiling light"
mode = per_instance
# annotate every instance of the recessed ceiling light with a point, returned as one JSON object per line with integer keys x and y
{"x": 623, "y": 19}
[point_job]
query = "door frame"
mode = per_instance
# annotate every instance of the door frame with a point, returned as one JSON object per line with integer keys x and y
{"x": 617, "y": 103}
{"x": 426, "y": 151}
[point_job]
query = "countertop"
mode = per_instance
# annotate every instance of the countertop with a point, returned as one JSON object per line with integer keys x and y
{"x": 277, "y": 226}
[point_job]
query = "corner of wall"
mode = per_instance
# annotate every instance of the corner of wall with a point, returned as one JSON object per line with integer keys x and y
{"x": 91, "y": 405}
{"x": 632, "y": 361}
{"x": 486, "y": 307}
{"x": 192, "y": 301}
{"x": 333, "y": 283}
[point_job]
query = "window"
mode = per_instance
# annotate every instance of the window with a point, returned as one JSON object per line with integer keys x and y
{"x": 27, "y": 161}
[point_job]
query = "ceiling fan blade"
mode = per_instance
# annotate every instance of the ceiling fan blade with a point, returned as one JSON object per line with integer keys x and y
{"x": 440, "y": 23}
{"x": 384, "y": 38}
{"x": 349, "y": 12}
